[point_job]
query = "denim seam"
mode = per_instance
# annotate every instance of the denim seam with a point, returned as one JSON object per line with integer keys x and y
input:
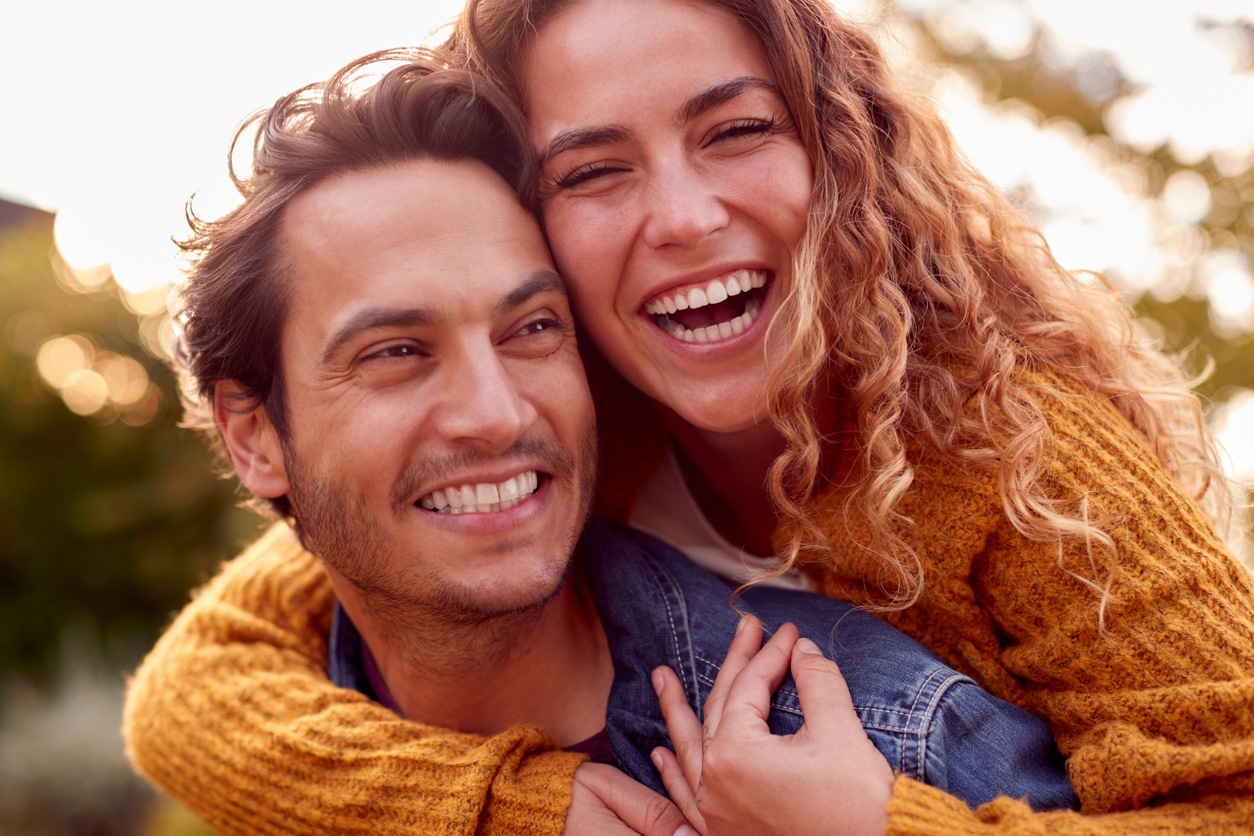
{"x": 938, "y": 692}
{"x": 689, "y": 675}
{"x": 918, "y": 768}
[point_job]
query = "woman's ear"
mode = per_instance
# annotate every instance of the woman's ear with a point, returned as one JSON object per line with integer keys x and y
{"x": 250, "y": 440}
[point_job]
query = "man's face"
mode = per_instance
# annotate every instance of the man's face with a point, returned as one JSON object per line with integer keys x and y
{"x": 442, "y": 446}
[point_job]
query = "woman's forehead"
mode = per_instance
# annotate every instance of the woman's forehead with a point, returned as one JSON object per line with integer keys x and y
{"x": 596, "y": 58}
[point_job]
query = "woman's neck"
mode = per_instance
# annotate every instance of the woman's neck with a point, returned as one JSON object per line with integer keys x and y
{"x": 727, "y": 475}
{"x": 727, "y": 472}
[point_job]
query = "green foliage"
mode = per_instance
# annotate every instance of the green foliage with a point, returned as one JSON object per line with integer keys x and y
{"x": 103, "y": 526}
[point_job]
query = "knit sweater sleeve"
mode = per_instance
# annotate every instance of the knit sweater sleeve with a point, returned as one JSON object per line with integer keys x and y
{"x": 1140, "y": 659}
{"x": 232, "y": 713}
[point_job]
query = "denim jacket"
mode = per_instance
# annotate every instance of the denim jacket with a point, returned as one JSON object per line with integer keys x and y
{"x": 658, "y": 608}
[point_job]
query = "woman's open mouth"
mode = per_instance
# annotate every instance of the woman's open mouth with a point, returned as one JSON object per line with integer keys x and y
{"x": 717, "y": 310}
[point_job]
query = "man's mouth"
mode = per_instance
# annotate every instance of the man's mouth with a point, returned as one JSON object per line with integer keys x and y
{"x": 717, "y": 310}
{"x": 483, "y": 497}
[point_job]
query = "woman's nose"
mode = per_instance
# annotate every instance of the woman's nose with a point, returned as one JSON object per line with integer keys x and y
{"x": 682, "y": 208}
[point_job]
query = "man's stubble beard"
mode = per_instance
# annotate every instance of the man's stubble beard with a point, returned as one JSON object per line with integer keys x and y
{"x": 418, "y": 612}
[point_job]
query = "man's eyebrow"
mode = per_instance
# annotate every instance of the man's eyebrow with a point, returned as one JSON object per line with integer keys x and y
{"x": 370, "y": 318}
{"x": 541, "y": 281}
{"x": 721, "y": 94}
{"x": 576, "y": 138}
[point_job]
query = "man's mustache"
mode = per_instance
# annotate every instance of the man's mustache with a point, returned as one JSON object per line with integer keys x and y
{"x": 545, "y": 454}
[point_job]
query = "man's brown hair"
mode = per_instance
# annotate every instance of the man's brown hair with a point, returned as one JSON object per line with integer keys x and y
{"x": 234, "y": 302}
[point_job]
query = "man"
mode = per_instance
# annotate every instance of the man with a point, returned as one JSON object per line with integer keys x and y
{"x": 389, "y": 361}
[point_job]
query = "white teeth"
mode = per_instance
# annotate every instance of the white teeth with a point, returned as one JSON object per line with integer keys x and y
{"x": 715, "y": 292}
{"x": 484, "y": 497}
{"x": 740, "y": 281}
{"x": 509, "y": 490}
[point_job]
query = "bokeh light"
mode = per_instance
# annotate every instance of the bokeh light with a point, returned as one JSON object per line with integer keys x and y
{"x": 97, "y": 383}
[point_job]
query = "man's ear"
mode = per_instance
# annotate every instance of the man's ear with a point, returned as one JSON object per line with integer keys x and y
{"x": 250, "y": 440}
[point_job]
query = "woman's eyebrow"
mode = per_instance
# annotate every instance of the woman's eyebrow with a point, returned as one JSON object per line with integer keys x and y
{"x": 573, "y": 139}
{"x": 721, "y": 94}
{"x": 576, "y": 138}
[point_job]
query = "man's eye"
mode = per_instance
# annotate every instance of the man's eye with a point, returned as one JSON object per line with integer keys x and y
{"x": 396, "y": 351}
{"x": 536, "y": 327}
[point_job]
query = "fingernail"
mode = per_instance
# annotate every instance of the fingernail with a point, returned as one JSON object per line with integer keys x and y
{"x": 659, "y": 681}
{"x": 686, "y": 830}
{"x": 656, "y": 757}
{"x": 744, "y": 619}
{"x": 807, "y": 646}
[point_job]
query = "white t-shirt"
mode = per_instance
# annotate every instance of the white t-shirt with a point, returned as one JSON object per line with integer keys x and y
{"x": 667, "y": 509}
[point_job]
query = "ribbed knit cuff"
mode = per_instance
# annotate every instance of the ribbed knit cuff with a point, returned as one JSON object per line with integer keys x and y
{"x": 916, "y": 809}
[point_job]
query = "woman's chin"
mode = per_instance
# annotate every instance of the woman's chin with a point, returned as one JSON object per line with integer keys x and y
{"x": 717, "y": 412}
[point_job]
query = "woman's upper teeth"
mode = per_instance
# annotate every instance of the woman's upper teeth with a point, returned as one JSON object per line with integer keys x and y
{"x": 716, "y": 291}
{"x": 482, "y": 497}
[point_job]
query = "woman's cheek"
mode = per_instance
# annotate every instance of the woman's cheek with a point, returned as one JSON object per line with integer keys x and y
{"x": 584, "y": 254}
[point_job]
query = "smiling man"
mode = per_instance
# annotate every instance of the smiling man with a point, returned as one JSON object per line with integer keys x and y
{"x": 419, "y": 365}
{"x": 382, "y": 347}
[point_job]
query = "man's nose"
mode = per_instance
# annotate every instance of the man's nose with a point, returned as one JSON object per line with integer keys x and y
{"x": 682, "y": 207}
{"x": 482, "y": 404}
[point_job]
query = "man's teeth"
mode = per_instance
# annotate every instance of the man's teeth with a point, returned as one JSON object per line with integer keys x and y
{"x": 484, "y": 497}
{"x": 742, "y": 281}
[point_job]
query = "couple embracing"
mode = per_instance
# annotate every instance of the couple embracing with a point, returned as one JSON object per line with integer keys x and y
{"x": 827, "y": 360}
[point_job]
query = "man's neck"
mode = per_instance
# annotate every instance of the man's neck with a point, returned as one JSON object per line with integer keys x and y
{"x": 549, "y": 666}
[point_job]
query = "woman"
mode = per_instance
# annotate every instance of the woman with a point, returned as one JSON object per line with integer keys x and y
{"x": 960, "y": 433}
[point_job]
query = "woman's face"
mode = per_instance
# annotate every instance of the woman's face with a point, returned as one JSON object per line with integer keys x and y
{"x": 674, "y": 190}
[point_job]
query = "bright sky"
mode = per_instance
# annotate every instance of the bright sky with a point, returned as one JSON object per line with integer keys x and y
{"x": 114, "y": 113}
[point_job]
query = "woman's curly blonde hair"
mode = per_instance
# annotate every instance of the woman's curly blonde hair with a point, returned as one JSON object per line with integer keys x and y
{"x": 922, "y": 294}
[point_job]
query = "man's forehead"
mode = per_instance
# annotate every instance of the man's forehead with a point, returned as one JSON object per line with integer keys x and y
{"x": 422, "y": 239}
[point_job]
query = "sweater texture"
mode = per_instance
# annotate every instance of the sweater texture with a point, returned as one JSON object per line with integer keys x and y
{"x": 1152, "y": 703}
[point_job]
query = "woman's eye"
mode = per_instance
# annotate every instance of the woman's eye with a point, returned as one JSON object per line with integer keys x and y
{"x": 743, "y": 128}
{"x": 586, "y": 174}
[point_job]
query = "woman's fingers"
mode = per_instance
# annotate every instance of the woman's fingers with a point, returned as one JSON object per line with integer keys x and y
{"x": 822, "y": 690}
{"x": 606, "y": 801}
{"x": 682, "y": 793}
{"x": 681, "y": 723}
{"x": 749, "y": 697}
{"x": 745, "y": 645}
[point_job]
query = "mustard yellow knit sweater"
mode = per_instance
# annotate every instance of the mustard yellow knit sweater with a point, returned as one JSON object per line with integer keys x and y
{"x": 233, "y": 714}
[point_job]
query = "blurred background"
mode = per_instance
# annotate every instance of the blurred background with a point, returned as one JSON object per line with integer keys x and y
{"x": 1125, "y": 126}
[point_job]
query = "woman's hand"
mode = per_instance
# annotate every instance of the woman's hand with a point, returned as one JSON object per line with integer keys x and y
{"x": 605, "y": 801}
{"x": 734, "y": 777}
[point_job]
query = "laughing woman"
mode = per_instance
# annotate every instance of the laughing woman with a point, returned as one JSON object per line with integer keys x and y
{"x": 828, "y": 343}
